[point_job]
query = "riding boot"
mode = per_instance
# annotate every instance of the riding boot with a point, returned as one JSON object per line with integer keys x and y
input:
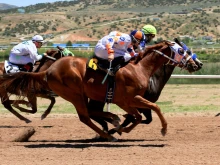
{"x": 117, "y": 63}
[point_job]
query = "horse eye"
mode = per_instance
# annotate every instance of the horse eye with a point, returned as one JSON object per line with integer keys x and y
{"x": 181, "y": 51}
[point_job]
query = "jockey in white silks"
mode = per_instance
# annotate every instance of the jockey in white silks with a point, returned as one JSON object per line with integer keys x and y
{"x": 25, "y": 53}
{"x": 118, "y": 44}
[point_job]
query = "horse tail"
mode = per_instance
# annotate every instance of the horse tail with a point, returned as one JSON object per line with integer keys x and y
{"x": 22, "y": 83}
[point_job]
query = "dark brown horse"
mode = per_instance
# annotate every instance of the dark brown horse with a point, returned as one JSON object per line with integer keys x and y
{"x": 70, "y": 79}
{"x": 32, "y": 99}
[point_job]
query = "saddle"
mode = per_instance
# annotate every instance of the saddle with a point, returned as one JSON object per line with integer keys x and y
{"x": 102, "y": 65}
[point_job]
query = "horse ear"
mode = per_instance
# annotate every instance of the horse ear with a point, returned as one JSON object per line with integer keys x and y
{"x": 170, "y": 43}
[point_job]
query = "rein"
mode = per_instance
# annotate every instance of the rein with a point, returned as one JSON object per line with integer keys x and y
{"x": 170, "y": 59}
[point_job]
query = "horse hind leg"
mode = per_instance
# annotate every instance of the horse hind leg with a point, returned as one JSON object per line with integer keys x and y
{"x": 95, "y": 109}
{"x": 80, "y": 104}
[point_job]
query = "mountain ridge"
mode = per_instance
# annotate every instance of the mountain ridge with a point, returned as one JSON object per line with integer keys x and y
{"x": 4, "y": 6}
{"x": 90, "y": 20}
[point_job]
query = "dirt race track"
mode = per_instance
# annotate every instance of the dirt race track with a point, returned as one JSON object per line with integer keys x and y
{"x": 192, "y": 139}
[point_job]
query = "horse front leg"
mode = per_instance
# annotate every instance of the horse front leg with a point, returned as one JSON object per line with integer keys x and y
{"x": 52, "y": 102}
{"x": 112, "y": 118}
{"x": 15, "y": 103}
{"x": 7, "y": 104}
{"x": 140, "y": 102}
{"x": 32, "y": 102}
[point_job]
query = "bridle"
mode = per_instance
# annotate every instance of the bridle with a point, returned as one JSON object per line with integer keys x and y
{"x": 182, "y": 63}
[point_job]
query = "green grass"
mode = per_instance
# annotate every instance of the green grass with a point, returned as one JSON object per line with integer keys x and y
{"x": 166, "y": 107}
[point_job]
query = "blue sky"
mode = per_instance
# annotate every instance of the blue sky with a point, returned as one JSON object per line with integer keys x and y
{"x": 20, "y": 3}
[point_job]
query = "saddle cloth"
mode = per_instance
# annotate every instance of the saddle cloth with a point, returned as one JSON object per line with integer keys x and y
{"x": 11, "y": 68}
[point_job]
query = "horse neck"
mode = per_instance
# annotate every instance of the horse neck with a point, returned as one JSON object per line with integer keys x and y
{"x": 2, "y": 68}
{"x": 46, "y": 65}
{"x": 160, "y": 78}
{"x": 151, "y": 62}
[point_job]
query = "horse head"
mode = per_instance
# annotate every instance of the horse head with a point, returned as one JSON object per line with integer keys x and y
{"x": 174, "y": 54}
{"x": 193, "y": 55}
{"x": 46, "y": 62}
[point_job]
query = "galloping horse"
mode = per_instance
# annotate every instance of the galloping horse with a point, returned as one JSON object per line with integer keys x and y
{"x": 32, "y": 99}
{"x": 71, "y": 80}
{"x": 156, "y": 84}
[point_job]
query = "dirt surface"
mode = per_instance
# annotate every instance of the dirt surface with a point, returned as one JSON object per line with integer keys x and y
{"x": 192, "y": 139}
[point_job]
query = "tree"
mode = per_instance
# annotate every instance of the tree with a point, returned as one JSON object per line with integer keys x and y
{"x": 69, "y": 44}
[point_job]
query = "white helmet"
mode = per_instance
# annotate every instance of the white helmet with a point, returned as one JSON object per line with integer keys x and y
{"x": 38, "y": 38}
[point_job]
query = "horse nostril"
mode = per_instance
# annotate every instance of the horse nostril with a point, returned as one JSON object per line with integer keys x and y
{"x": 195, "y": 67}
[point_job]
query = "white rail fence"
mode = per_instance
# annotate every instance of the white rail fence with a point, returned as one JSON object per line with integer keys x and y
{"x": 195, "y": 76}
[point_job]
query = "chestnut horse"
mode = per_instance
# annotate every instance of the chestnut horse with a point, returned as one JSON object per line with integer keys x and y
{"x": 71, "y": 80}
{"x": 156, "y": 84}
{"x": 45, "y": 63}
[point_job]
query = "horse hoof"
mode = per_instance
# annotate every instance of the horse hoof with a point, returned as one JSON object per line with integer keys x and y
{"x": 43, "y": 117}
{"x": 112, "y": 131}
{"x": 97, "y": 137}
{"x": 113, "y": 139}
{"x": 116, "y": 118}
{"x": 28, "y": 105}
{"x": 163, "y": 131}
{"x": 115, "y": 123}
{"x": 27, "y": 121}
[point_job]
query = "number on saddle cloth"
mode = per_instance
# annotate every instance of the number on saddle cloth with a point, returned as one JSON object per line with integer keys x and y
{"x": 13, "y": 68}
{"x": 10, "y": 68}
{"x": 93, "y": 63}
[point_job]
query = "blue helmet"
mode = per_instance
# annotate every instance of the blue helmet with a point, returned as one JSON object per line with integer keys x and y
{"x": 137, "y": 36}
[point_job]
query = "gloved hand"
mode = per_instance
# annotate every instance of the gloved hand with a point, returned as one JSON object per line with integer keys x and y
{"x": 110, "y": 56}
{"x": 44, "y": 54}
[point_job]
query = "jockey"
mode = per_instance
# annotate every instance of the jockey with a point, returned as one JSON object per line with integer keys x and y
{"x": 149, "y": 32}
{"x": 117, "y": 44}
{"x": 25, "y": 53}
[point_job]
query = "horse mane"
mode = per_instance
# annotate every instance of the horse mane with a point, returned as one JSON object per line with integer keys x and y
{"x": 149, "y": 49}
{"x": 51, "y": 51}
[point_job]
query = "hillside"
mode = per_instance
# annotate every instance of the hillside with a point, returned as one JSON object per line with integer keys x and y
{"x": 89, "y": 20}
{"x": 4, "y": 6}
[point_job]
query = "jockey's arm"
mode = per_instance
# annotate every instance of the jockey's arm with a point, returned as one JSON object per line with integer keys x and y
{"x": 35, "y": 56}
{"x": 131, "y": 51}
{"x": 109, "y": 44}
